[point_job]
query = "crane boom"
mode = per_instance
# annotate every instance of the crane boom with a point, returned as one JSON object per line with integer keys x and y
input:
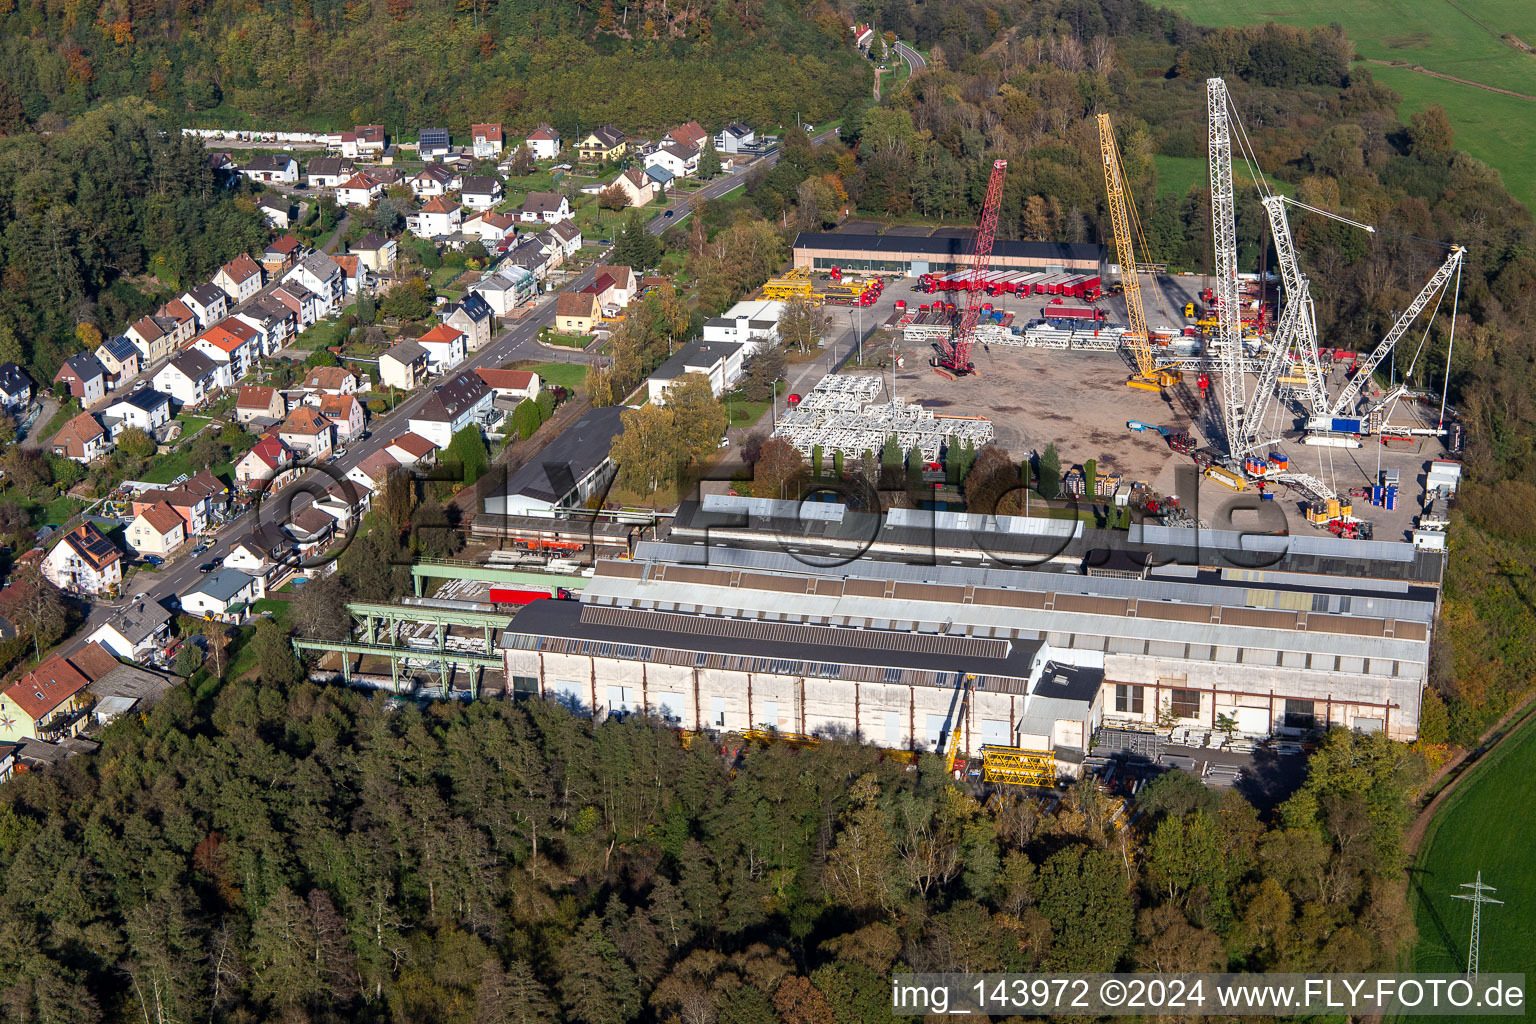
{"x": 1303, "y": 335}
{"x": 1147, "y": 376}
{"x": 1438, "y": 280}
{"x": 955, "y": 356}
{"x": 1224, "y": 235}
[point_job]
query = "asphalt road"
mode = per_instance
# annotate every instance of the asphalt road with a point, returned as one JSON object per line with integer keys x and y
{"x": 518, "y": 341}
{"x": 915, "y": 60}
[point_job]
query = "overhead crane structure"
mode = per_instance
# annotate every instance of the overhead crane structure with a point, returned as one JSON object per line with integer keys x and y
{"x": 377, "y": 630}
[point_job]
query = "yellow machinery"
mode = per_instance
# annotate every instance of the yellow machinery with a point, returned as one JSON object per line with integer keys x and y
{"x": 1121, "y": 211}
{"x": 793, "y": 285}
{"x": 1226, "y": 478}
{"x": 1018, "y": 766}
{"x": 1322, "y": 513}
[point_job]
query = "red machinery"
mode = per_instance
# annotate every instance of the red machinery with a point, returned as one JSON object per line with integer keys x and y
{"x": 954, "y": 358}
{"x": 518, "y": 595}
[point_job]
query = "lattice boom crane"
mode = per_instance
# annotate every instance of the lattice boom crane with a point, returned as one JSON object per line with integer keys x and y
{"x": 954, "y": 359}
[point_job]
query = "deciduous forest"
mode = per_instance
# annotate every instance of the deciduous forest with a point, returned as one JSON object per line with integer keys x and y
{"x": 291, "y": 852}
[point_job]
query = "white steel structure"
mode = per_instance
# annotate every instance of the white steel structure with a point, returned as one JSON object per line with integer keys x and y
{"x": 1477, "y": 899}
{"x": 1224, "y": 264}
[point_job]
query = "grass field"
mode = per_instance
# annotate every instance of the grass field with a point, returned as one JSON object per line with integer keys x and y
{"x": 570, "y": 375}
{"x": 1460, "y": 39}
{"x": 1485, "y": 826}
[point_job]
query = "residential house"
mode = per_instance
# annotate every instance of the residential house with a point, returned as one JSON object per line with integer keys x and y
{"x": 272, "y": 319}
{"x": 360, "y": 190}
{"x": 366, "y": 140}
{"x": 345, "y": 502}
{"x": 718, "y": 362}
{"x": 549, "y": 245}
{"x": 278, "y": 209}
{"x": 577, "y": 312}
{"x": 225, "y": 595}
{"x": 346, "y": 416}
{"x": 81, "y": 439}
{"x": 158, "y": 530}
{"x": 152, "y": 338}
{"x": 432, "y": 143}
{"x": 511, "y": 385}
{"x": 461, "y": 401}
{"x": 15, "y": 387}
{"x": 410, "y": 449}
{"x": 376, "y": 252}
{"x": 280, "y": 255}
{"x": 268, "y": 466}
{"x": 311, "y": 530}
{"x": 45, "y": 704}
{"x": 119, "y": 358}
{"x": 233, "y": 345}
{"x": 307, "y": 432}
{"x": 259, "y": 407}
{"x": 328, "y": 171}
{"x": 568, "y": 235}
{"x": 185, "y": 318}
{"x": 660, "y": 177}
{"x": 485, "y": 141}
{"x": 492, "y": 228}
{"x": 624, "y": 287}
{"x": 601, "y": 145}
{"x": 403, "y": 365}
{"x": 299, "y": 302}
{"x": 331, "y": 380}
{"x": 638, "y": 189}
{"x": 549, "y": 207}
{"x": 266, "y": 555}
{"x": 506, "y": 288}
{"x": 190, "y": 378}
{"x": 193, "y": 505}
{"x": 571, "y": 468}
{"x": 689, "y": 136}
{"x": 543, "y": 143}
{"x": 753, "y": 323}
{"x": 531, "y": 254}
{"x": 213, "y": 491}
{"x": 240, "y": 278}
{"x": 370, "y": 474}
{"x": 735, "y": 138}
{"x": 147, "y": 409}
{"x": 321, "y": 275}
{"x": 683, "y": 162}
{"x": 481, "y": 192}
{"x": 209, "y": 303}
{"x": 275, "y": 168}
{"x": 83, "y": 377}
{"x": 135, "y": 632}
{"x": 446, "y": 347}
{"x": 437, "y": 218}
{"x": 472, "y": 315}
{"x": 435, "y": 180}
{"x": 84, "y": 562}
{"x": 353, "y": 274}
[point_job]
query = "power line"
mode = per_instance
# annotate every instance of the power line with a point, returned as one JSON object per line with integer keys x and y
{"x": 1477, "y": 899}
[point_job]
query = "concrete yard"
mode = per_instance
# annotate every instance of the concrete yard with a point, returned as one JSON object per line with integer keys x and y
{"x": 1079, "y": 401}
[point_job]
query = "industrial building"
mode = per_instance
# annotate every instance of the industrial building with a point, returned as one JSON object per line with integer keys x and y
{"x": 943, "y": 250}
{"x": 817, "y": 619}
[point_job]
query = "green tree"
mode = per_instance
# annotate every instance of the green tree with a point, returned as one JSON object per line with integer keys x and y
{"x": 135, "y": 443}
{"x": 276, "y": 664}
{"x": 634, "y": 246}
{"x": 525, "y": 418}
{"x": 699, "y": 416}
{"x": 466, "y": 457}
{"x": 1083, "y": 893}
{"x": 709, "y": 161}
{"x": 1049, "y": 473}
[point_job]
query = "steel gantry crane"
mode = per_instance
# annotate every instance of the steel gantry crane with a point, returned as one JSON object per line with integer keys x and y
{"x": 1147, "y": 376}
{"x": 954, "y": 358}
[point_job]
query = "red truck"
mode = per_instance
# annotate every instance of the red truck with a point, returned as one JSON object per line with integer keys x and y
{"x": 520, "y": 596}
{"x": 1064, "y": 312}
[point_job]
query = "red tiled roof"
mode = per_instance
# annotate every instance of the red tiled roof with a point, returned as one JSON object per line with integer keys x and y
{"x": 441, "y": 334}
{"x": 46, "y": 687}
{"x": 413, "y": 444}
{"x": 162, "y": 518}
{"x": 328, "y": 378}
{"x": 486, "y": 131}
{"x": 306, "y": 419}
{"x": 272, "y": 450}
{"x": 255, "y": 396}
{"x": 439, "y": 204}
{"x": 241, "y": 268}
{"x": 337, "y": 407}
{"x": 93, "y": 549}
{"x": 514, "y": 380}
{"x": 93, "y": 661}
{"x": 285, "y": 245}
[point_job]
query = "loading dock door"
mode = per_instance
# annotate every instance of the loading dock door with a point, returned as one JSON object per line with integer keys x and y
{"x": 919, "y": 268}
{"x": 1253, "y": 721}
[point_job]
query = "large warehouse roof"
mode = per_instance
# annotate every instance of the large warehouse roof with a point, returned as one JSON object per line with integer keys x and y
{"x": 953, "y": 246}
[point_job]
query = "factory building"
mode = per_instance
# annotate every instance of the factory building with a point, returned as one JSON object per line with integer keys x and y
{"x": 943, "y": 250}
{"x": 751, "y": 614}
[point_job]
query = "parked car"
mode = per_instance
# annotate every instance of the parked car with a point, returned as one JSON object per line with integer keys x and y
{"x": 154, "y": 560}
{"x": 341, "y": 453}
{"x": 140, "y": 385}
{"x": 206, "y": 568}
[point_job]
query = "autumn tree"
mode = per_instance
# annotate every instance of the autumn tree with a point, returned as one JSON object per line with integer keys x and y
{"x": 802, "y": 324}
{"x": 612, "y": 198}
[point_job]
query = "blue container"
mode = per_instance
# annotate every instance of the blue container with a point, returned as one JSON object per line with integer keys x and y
{"x": 1346, "y": 426}
{"x": 1378, "y": 495}
{"x": 1266, "y": 496}
{"x": 1391, "y": 498}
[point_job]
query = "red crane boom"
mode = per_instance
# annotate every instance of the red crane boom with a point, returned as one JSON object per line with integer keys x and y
{"x": 955, "y": 356}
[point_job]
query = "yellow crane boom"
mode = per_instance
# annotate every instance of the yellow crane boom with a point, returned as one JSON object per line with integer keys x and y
{"x": 1147, "y": 377}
